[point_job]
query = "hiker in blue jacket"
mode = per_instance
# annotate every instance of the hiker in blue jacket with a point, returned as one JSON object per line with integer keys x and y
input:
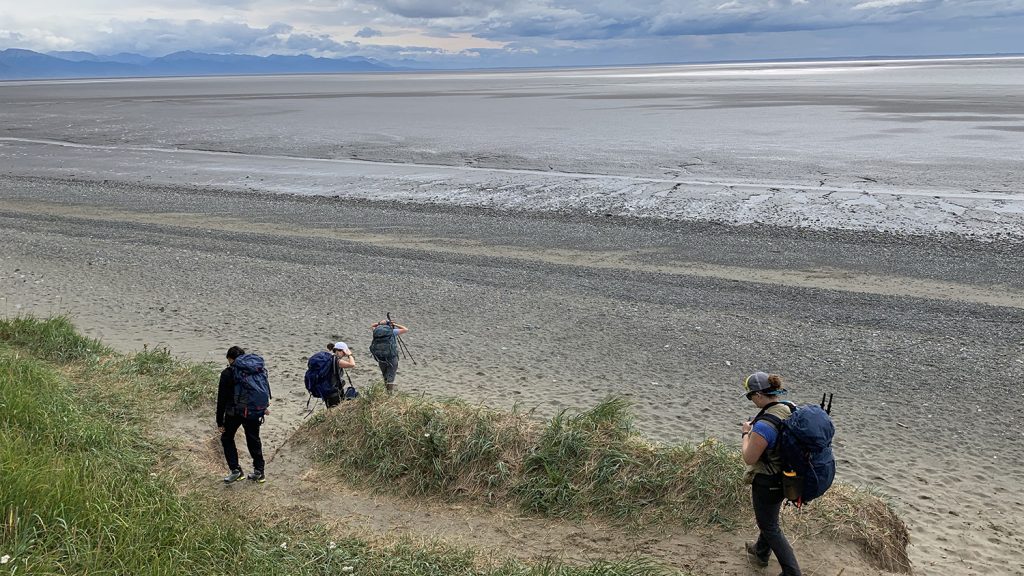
{"x": 384, "y": 349}
{"x": 228, "y": 422}
{"x": 764, "y": 472}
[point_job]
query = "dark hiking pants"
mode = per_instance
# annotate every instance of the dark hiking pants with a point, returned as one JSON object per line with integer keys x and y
{"x": 766, "y": 495}
{"x": 388, "y": 369}
{"x": 252, "y": 441}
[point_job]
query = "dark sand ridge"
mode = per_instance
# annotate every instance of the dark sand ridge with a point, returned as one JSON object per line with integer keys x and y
{"x": 557, "y": 312}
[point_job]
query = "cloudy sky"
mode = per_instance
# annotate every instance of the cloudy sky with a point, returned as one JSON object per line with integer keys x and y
{"x": 475, "y": 33}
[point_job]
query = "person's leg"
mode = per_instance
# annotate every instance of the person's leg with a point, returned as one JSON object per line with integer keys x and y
{"x": 389, "y": 374}
{"x": 385, "y": 367}
{"x": 252, "y": 440}
{"x": 332, "y": 400}
{"x": 227, "y": 440}
{"x": 766, "y": 496}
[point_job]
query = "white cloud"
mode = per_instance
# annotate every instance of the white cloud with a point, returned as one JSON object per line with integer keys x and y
{"x": 884, "y": 4}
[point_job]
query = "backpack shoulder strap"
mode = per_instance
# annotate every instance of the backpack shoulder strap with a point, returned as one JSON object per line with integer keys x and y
{"x": 772, "y": 419}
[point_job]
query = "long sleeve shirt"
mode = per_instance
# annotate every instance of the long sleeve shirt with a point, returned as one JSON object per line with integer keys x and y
{"x": 225, "y": 395}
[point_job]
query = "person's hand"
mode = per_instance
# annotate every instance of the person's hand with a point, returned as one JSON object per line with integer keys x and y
{"x": 220, "y": 429}
{"x": 746, "y": 427}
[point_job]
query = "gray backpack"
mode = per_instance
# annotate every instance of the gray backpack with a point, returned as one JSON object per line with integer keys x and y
{"x": 384, "y": 346}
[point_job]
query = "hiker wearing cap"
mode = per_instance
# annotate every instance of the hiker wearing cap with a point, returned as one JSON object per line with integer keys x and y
{"x": 384, "y": 349}
{"x": 342, "y": 359}
{"x": 764, "y": 471}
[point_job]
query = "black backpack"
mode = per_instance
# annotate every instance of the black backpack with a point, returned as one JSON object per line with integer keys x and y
{"x": 384, "y": 347}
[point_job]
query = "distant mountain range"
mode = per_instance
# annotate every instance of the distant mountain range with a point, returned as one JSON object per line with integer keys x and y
{"x": 26, "y": 64}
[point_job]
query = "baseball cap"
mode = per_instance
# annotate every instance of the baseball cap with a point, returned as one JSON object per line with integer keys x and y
{"x": 340, "y": 346}
{"x": 756, "y": 382}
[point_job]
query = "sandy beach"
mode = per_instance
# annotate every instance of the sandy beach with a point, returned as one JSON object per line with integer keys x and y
{"x": 920, "y": 340}
{"x": 655, "y": 234}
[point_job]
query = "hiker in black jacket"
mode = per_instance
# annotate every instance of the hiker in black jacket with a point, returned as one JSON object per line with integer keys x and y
{"x": 228, "y": 423}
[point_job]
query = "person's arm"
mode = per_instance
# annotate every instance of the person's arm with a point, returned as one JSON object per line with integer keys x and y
{"x": 347, "y": 361}
{"x": 399, "y": 329}
{"x": 754, "y": 444}
{"x": 225, "y": 393}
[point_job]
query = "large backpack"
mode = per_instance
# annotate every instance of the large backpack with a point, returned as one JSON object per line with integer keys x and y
{"x": 805, "y": 446}
{"x": 384, "y": 347}
{"x": 252, "y": 390}
{"x": 320, "y": 374}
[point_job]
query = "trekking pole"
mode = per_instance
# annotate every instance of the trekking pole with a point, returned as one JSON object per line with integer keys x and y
{"x": 398, "y": 339}
{"x": 828, "y": 410}
{"x": 402, "y": 346}
{"x": 405, "y": 350}
{"x": 309, "y": 410}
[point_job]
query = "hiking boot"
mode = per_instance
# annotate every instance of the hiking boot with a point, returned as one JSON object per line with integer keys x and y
{"x": 235, "y": 476}
{"x": 257, "y": 476}
{"x": 754, "y": 557}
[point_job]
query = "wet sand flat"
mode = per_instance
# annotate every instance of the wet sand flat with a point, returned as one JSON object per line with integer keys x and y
{"x": 913, "y": 146}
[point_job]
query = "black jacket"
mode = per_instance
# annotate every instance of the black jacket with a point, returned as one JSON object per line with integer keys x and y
{"x": 225, "y": 395}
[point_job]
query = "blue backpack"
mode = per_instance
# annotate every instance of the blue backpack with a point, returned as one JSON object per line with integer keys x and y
{"x": 252, "y": 390}
{"x": 384, "y": 345}
{"x": 320, "y": 375}
{"x": 805, "y": 445}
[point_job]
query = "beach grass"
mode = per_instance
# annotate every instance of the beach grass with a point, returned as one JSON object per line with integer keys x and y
{"x": 575, "y": 465}
{"x": 83, "y": 491}
{"x": 54, "y": 339}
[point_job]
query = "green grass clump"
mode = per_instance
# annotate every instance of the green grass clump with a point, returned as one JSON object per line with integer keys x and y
{"x": 593, "y": 462}
{"x": 154, "y": 373}
{"x": 53, "y": 339}
{"x": 81, "y": 491}
{"x": 579, "y": 464}
{"x": 427, "y": 447}
{"x": 142, "y": 383}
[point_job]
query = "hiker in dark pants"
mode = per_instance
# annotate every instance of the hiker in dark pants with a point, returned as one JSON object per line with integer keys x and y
{"x": 384, "y": 349}
{"x": 228, "y": 423}
{"x": 342, "y": 359}
{"x": 764, "y": 473}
